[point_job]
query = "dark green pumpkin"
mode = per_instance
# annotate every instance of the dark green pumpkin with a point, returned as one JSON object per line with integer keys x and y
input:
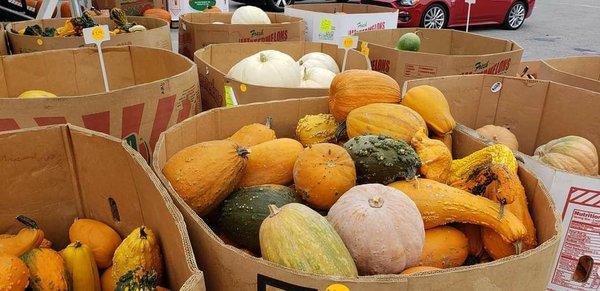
{"x": 243, "y": 212}
{"x": 381, "y": 159}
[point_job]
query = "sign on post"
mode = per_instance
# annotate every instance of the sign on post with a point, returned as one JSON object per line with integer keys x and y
{"x": 97, "y": 35}
{"x": 469, "y": 2}
{"x": 347, "y": 43}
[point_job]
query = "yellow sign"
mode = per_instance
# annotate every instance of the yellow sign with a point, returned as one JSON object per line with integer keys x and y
{"x": 230, "y": 99}
{"x": 97, "y": 33}
{"x": 348, "y": 42}
{"x": 337, "y": 287}
{"x": 364, "y": 48}
{"x": 39, "y": 41}
{"x": 326, "y": 25}
{"x": 243, "y": 87}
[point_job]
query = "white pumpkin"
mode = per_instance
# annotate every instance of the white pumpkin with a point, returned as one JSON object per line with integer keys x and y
{"x": 250, "y": 15}
{"x": 316, "y": 77}
{"x": 327, "y": 61}
{"x": 267, "y": 68}
{"x": 218, "y": 22}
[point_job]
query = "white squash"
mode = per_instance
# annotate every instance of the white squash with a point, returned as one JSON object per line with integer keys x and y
{"x": 571, "y": 153}
{"x": 327, "y": 61}
{"x": 316, "y": 77}
{"x": 250, "y": 15}
{"x": 267, "y": 68}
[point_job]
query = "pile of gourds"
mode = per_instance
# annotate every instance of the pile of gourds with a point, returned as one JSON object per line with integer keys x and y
{"x": 27, "y": 259}
{"x": 394, "y": 198}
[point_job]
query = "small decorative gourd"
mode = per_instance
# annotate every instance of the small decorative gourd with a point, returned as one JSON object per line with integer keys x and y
{"x": 436, "y": 158}
{"x": 318, "y": 128}
{"x": 81, "y": 266}
{"x": 253, "y": 134}
{"x": 47, "y": 270}
{"x": 14, "y": 274}
{"x": 28, "y": 238}
{"x": 445, "y": 247}
{"x": 99, "y": 237}
{"x": 139, "y": 249}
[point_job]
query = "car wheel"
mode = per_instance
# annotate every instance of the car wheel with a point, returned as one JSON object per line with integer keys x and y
{"x": 435, "y": 16}
{"x": 277, "y": 5}
{"x": 515, "y": 16}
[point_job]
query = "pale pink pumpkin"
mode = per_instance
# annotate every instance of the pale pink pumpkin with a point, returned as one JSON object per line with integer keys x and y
{"x": 381, "y": 227}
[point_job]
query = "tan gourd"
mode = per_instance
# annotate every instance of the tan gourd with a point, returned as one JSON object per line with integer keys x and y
{"x": 499, "y": 134}
{"x": 573, "y": 154}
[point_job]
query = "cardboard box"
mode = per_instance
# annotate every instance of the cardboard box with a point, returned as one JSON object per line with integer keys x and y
{"x": 536, "y": 112}
{"x": 332, "y": 21}
{"x": 146, "y": 96}
{"x": 196, "y": 30}
{"x": 3, "y": 42}
{"x": 158, "y": 35}
{"x": 583, "y": 72}
{"x": 443, "y": 52}
{"x": 214, "y": 62}
{"x": 131, "y": 7}
{"x": 78, "y": 173}
{"x": 527, "y": 271}
{"x": 178, "y": 8}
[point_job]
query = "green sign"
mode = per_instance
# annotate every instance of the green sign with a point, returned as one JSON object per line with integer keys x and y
{"x": 201, "y": 5}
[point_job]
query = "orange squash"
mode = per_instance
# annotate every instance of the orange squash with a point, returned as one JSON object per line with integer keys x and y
{"x": 322, "y": 173}
{"x": 158, "y": 13}
{"x": 47, "y": 270}
{"x": 106, "y": 281}
{"x": 431, "y": 104}
{"x": 14, "y": 274}
{"x": 445, "y": 247}
{"x": 213, "y": 9}
{"x": 271, "y": 162}
{"x": 499, "y": 134}
{"x": 355, "y": 88}
{"x": 436, "y": 159}
{"x": 253, "y": 134}
{"x": 418, "y": 269}
{"x": 392, "y": 120}
{"x": 28, "y": 238}
{"x": 99, "y": 237}
{"x": 473, "y": 233}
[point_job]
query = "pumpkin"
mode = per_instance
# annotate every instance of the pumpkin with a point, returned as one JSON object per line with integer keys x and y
{"x": 253, "y": 134}
{"x": 318, "y": 128}
{"x": 99, "y": 237}
{"x": 314, "y": 64}
{"x": 81, "y": 266}
{"x": 107, "y": 282}
{"x": 244, "y": 210}
{"x": 213, "y": 9}
{"x": 446, "y": 139}
{"x": 14, "y": 274}
{"x": 356, "y": 88}
{"x": 499, "y": 134}
{"x": 440, "y": 204}
{"x": 47, "y": 270}
{"x": 431, "y": 104}
{"x": 139, "y": 249}
{"x": 250, "y": 15}
{"x": 316, "y": 77}
{"x": 383, "y": 160}
{"x": 435, "y": 157}
{"x": 445, "y": 247}
{"x": 158, "y": 13}
{"x": 271, "y": 162}
{"x": 325, "y": 59}
{"x": 267, "y": 68}
{"x": 322, "y": 173}
{"x": 28, "y": 238}
{"x": 572, "y": 154}
{"x": 361, "y": 215}
{"x": 205, "y": 173}
{"x": 418, "y": 269}
{"x": 321, "y": 250}
{"x": 392, "y": 120}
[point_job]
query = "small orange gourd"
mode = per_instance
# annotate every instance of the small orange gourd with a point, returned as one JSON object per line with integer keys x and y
{"x": 99, "y": 237}
{"x": 446, "y": 139}
{"x": 106, "y": 281}
{"x": 436, "y": 158}
{"x": 271, "y": 162}
{"x": 14, "y": 274}
{"x": 28, "y": 238}
{"x": 445, "y": 247}
{"x": 253, "y": 134}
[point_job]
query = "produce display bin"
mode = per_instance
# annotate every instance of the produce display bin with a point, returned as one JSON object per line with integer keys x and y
{"x": 3, "y": 43}
{"x": 536, "y": 112}
{"x": 229, "y": 268}
{"x": 58, "y": 173}
{"x": 214, "y": 62}
{"x": 443, "y": 52}
{"x": 330, "y": 22}
{"x": 582, "y": 72}
{"x": 197, "y": 30}
{"x": 158, "y": 35}
{"x": 146, "y": 96}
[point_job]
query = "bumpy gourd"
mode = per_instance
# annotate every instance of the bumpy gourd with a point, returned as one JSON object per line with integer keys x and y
{"x": 205, "y": 173}
{"x": 14, "y": 275}
{"x": 271, "y": 162}
{"x": 495, "y": 181}
{"x": 81, "y": 266}
{"x": 139, "y": 249}
{"x": 47, "y": 270}
{"x": 322, "y": 173}
{"x": 573, "y": 154}
{"x": 28, "y": 238}
{"x": 500, "y": 154}
{"x": 356, "y": 88}
{"x": 436, "y": 158}
{"x": 392, "y": 120}
{"x": 253, "y": 134}
{"x": 382, "y": 160}
{"x": 138, "y": 279}
{"x": 320, "y": 251}
{"x": 431, "y": 104}
{"x": 318, "y": 128}
{"x": 99, "y": 237}
{"x": 445, "y": 247}
{"x": 359, "y": 217}
{"x": 440, "y": 204}
{"x": 499, "y": 134}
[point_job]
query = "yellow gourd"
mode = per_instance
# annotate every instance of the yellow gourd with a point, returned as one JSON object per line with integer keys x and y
{"x": 253, "y": 134}
{"x": 431, "y": 104}
{"x": 81, "y": 266}
{"x": 318, "y": 128}
{"x": 498, "y": 153}
{"x": 36, "y": 94}
{"x": 27, "y": 239}
{"x": 446, "y": 139}
{"x": 436, "y": 158}
{"x": 139, "y": 249}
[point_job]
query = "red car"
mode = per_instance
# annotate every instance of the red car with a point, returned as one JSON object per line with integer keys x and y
{"x": 450, "y": 13}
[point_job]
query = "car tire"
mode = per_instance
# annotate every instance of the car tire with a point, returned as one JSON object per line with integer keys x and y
{"x": 277, "y": 5}
{"x": 435, "y": 16}
{"x": 515, "y": 16}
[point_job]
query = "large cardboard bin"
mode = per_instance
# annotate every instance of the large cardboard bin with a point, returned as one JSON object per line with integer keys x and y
{"x": 582, "y": 72}
{"x": 527, "y": 271}
{"x": 536, "y": 112}
{"x": 443, "y": 52}
{"x": 330, "y": 22}
{"x": 57, "y": 173}
{"x": 214, "y": 62}
{"x": 150, "y": 90}
{"x": 3, "y": 43}
{"x": 197, "y": 30}
{"x": 158, "y": 35}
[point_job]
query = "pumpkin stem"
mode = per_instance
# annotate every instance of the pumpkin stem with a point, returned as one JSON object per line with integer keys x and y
{"x": 243, "y": 152}
{"x": 262, "y": 57}
{"x": 77, "y": 244}
{"x": 268, "y": 122}
{"x": 304, "y": 76}
{"x": 376, "y": 202}
{"x": 501, "y": 212}
{"x": 273, "y": 210}
{"x": 518, "y": 247}
{"x": 27, "y": 221}
{"x": 143, "y": 233}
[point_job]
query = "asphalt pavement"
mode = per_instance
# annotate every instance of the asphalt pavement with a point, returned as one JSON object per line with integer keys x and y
{"x": 557, "y": 28}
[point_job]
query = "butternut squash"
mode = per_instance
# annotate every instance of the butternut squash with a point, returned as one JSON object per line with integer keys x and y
{"x": 431, "y": 104}
{"x": 271, "y": 162}
{"x": 445, "y": 247}
{"x": 253, "y": 134}
{"x": 27, "y": 239}
{"x": 81, "y": 266}
{"x": 436, "y": 158}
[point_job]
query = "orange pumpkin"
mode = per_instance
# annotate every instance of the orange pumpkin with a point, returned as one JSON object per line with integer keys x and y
{"x": 101, "y": 238}
{"x": 356, "y": 88}
{"x": 322, "y": 173}
{"x": 158, "y": 13}
{"x": 445, "y": 247}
